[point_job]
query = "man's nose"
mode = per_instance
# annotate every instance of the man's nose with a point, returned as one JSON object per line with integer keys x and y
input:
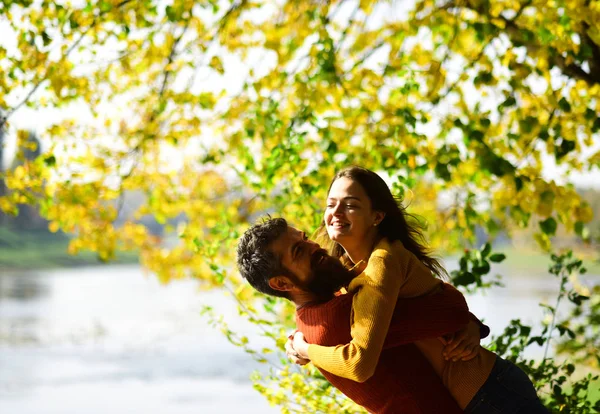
{"x": 313, "y": 246}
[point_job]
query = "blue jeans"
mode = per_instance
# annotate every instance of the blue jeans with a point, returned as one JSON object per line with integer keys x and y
{"x": 508, "y": 390}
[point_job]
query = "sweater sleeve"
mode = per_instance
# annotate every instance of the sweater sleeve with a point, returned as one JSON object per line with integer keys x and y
{"x": 373, "y": 305}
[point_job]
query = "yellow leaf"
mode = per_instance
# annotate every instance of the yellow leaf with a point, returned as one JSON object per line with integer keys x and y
{"x": 217, "y": 65}
{"x": 53, "y": 226}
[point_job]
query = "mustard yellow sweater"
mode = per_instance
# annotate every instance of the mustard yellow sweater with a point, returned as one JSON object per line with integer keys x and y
{"x": 393, "y": 272}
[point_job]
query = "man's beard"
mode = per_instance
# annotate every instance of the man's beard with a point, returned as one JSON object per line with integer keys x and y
{"x": 328, "y": 276}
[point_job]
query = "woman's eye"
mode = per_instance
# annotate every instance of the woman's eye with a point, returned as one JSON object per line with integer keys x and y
{"x": 351, "y": 206}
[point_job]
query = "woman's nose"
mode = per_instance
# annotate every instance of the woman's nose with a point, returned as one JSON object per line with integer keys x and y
{"x": 338, "y": 210}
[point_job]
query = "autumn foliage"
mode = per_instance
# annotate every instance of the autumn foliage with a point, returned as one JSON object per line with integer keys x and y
{"x": 220, "y": 111}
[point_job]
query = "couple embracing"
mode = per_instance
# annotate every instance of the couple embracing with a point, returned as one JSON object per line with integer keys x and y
{"x": 372, "y": 312}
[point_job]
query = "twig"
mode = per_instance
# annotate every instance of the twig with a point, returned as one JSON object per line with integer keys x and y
{"x": 554, "y": 312}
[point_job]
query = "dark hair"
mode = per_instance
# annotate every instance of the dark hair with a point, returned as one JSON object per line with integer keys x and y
{"x": 397, "y": 223}
{"x": 255, "y": 260}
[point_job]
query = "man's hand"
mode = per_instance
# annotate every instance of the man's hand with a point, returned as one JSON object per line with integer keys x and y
{"x": 292, "y": 354}
{"x": 462, "y": 345}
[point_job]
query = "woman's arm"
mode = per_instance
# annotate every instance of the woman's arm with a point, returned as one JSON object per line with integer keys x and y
{"x": 444, "y": 312}
{"x": 373, "y": 305}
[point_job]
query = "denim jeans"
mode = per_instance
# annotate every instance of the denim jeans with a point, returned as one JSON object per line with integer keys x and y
{"x": 508, "y": 390}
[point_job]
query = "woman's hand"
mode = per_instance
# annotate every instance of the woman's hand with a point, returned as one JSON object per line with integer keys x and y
{"x": 462, "y": 345}
{"x": 294, "y": 355}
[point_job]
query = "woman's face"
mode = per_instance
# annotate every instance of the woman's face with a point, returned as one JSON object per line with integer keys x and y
{"x": 349, "y": 217}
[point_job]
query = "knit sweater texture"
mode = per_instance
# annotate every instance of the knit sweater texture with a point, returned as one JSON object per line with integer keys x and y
{"x": 394, "y": 273}
{"x": 403, "y": 381}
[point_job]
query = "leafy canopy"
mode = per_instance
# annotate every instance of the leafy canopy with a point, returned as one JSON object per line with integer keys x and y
{"x": 218, "y": 111}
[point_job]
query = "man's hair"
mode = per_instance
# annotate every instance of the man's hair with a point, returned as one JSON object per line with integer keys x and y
{"x": 256, "y": 262}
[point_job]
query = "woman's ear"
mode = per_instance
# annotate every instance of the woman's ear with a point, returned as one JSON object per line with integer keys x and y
{"x": 379, "y": 216}
{"x": 281, "y": 283}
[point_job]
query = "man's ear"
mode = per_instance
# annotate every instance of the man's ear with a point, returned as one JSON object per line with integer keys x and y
{"x": 281, "y": 283}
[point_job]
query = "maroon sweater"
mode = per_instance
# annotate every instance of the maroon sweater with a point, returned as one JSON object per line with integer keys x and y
{"x": 404, "y": 381}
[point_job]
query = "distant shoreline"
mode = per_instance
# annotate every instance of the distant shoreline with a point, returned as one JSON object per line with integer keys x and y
{"x": 33, "y": 250}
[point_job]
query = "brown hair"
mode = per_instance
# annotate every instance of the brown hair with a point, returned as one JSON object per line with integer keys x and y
{"x": 255, "y": 260}
{"x": 396, "y": 225}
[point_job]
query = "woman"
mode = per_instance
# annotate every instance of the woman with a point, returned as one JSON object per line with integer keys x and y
{"x": 366, "y": 224}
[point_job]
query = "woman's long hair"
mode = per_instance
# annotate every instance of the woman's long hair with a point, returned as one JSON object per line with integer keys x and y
{"x": 396, "y": 225}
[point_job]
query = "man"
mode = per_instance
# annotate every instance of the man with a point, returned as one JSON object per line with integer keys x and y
{"x": 279, "y": 260}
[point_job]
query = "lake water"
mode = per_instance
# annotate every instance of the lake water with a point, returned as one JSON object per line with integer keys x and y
{"x": 112, "y": 340}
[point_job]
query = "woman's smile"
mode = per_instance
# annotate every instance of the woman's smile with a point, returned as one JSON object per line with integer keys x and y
{"x": 339, "y": 225}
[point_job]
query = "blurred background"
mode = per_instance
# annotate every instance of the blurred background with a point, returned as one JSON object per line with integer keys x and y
{"x": 139, "y": 139}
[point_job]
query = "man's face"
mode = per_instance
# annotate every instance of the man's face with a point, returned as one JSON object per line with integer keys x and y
{"x": 311, "y": 268}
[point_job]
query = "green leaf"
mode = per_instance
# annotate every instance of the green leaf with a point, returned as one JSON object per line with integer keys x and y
{"x": 401, "y": 157}
{"x": 540, "y": 340}
{"x": 545, "y": 35}
{"x": 564, "y": 105}
{"x": 173, "y": 14}
{"x": 482, "y": 269}
{"x": 569, "y": 368}
{"x": 518, "y": 183}
{"x": 442, "y": 171}
{"x": 548, "y": 226}
{"x": 590, "y": 114}
{"x": 105, "y": 6}
{"x": 581, "y": 230}
{"x": 50, "y": 160}
{"x": 557, "y": 390}
{"x": 547, "y": 197}
{"x": 477, "y": 135}
{"x": 46, "y": 39}
{"x": 576, "y": 298}
{"x": 497, "y": 257}
{"x": 494, "y": 163}
{"x": 528, "y": 124}
{"x": 492, "y": 227}
{"x": 563, "y": 148}
{"x": 463, "y": 262}
{"x": 596, "y": 125}
{"x": 510, "y": 101}
{"x": 485, "y": 251}
{"x": 464, "y": 279}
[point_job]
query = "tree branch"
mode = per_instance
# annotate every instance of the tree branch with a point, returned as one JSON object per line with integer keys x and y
{"x": 515, "y": 33}
{"x": 172, "y": 54}
{"x": 4, "y": 119}
{"x": 595, "y": 59}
